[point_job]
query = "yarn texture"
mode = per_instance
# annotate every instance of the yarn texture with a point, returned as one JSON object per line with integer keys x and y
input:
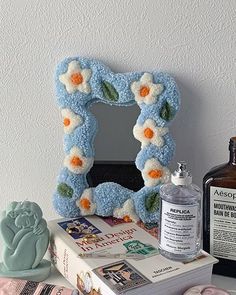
{"x": 80, "y": 82}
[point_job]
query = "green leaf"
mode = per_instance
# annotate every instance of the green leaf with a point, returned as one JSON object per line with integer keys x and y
{"x": 109, "y": 91}
{"x": 65, "y": 190}
{"x": 151, "y": 225}
{"x": 167, "y": 112}
{"x": 152, "y": 202}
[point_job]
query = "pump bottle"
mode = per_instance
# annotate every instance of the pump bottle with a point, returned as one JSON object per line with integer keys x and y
{"x": 219, "y": 214}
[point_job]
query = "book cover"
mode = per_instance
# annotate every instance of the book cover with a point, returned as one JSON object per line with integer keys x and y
{"x": 107, "y": 256}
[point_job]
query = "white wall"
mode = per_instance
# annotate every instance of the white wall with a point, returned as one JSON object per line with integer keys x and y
{"x": 192, "y": 40}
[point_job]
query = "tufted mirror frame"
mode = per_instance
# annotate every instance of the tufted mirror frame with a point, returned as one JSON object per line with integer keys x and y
{"x": 81, "y": 82}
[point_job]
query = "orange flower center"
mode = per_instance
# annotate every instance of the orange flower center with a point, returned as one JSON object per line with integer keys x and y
{"x": 155, "y": 173}
{"x": 76, "y": 78}
{"x": 66, "y": 121}
{"x": 126, "y": 218}
{"x": 144, "y": 91}
{"x": 76, "y": 161}
{"x": 85, "y": 204}
{"x": 148, "y": 133}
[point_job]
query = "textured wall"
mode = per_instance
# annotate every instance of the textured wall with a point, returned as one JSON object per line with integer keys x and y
{"x": 192, "y": 40}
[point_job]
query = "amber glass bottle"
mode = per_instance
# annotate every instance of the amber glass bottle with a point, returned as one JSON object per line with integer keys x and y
{"x": 219, "y": 212}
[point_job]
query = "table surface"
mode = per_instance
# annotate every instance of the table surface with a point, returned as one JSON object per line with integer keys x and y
{"x": 220, "y": 281}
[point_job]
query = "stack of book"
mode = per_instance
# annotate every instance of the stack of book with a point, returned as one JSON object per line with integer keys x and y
{"x": 107, "y": 256}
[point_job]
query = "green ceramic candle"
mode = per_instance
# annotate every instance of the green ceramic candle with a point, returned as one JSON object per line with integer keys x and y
{"x": 25, "y": 239}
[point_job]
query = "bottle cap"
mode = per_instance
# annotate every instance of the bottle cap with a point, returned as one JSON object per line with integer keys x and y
{"x": 181, "y": 176}
{"x": 232, "y": 143}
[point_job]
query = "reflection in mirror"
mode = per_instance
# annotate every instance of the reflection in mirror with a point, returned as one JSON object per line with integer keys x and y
{"x": 114, "y": 140}
{"x": 114, "y": 160}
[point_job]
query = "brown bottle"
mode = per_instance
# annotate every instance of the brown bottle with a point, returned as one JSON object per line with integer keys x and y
{"x": 219, "y": 214}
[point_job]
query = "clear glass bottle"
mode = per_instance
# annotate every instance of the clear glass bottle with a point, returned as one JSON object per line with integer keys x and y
{"x": 180, "y": 217}
{"x": 219, "y": 214}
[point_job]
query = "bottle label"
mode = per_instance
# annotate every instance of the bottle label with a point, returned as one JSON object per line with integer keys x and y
{"x": 178, "y": 228}
{"x": 223, "y": 222}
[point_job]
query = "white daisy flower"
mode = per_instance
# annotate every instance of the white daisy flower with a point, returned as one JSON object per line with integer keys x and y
{"x": 127, "y": 212}
{"x": 150, "y": 133}
{"x": 145, "y": 91}
{"x": 76, "y": 78}
{"x": 70, "y": 120}
{"x": 76, "y": 162}
{"x": 154, "y": 173}
{"x": 85, "y": 202}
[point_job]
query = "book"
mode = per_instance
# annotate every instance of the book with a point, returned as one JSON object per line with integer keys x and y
{"x": 103, "y": 256}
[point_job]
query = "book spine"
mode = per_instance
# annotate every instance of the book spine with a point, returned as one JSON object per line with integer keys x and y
{"x": 19, "y": 287}
{"x": 75, "y": 269}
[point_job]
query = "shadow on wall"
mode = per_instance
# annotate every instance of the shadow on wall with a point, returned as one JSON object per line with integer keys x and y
{"x": 187, "y": 132}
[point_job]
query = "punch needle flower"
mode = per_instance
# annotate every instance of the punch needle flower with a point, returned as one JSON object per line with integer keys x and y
{"x": 76, "y": 162}
{"x": 150, "y": 133}
{"x": 85, "y": 203}
{"x": 127, "y": 212}
{"x": 70, "y": 120}
{"x": 76, "y": 79}
{"x": 154, "y": 173}
{"x": 145, "y": 91}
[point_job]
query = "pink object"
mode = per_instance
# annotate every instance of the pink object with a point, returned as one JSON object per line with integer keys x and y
{"x": 9, "y": 286}
{"x": 205, "y": 290}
